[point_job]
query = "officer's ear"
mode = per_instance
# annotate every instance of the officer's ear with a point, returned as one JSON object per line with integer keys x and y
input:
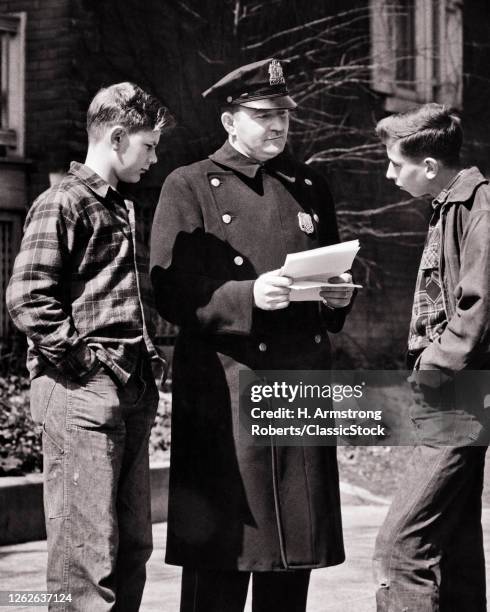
{"x": 228, "y": 121}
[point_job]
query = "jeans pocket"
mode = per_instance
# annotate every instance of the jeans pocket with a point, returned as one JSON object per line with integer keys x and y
{"x": 40, "y": 393}
{"x": 54, "y": 477}
{"x": 94, "y": 404}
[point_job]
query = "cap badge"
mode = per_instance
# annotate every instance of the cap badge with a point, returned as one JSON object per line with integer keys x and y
{"x": 276, "y": 76}
{"x": 305, "y": 223}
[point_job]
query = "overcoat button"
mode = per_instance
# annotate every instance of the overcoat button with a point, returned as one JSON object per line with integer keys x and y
{"x": 262, "y": 347}
{"x": 318, "y": 338}
{"x": 316, "y": 217}
{"x": 308, "y": 182}
{"x": 215, "y": 182}
{"x": 238, "y": 260}
{"x": 226, "y": 218}
{"x": 229, "y": 99}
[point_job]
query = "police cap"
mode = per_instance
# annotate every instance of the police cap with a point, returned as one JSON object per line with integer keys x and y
{"x": 258, "y": 85}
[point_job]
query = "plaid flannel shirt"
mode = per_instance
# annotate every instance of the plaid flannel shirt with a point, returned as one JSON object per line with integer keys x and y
{"x": 80, "y": 289}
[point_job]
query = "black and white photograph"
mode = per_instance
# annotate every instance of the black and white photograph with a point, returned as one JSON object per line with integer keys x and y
{"x": 245, "y": 314}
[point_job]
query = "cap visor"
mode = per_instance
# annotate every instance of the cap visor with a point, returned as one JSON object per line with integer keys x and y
{"x": 278, "y": 102}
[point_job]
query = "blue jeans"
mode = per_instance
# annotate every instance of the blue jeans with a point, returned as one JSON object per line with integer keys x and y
{"x": 96, "y": 486}
{"x": 429, "y": 552}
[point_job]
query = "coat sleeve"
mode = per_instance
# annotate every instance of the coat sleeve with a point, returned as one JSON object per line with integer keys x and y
{"x": 465, "y": 342}
{"x": 184, "y": 263}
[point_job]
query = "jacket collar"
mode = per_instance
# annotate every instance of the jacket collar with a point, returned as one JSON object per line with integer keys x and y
{"x": 229, "y": 157}
{"x": 462, "y": 188}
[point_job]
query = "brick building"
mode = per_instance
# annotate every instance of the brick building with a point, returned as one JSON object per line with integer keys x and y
{"x": 351, "y": 61}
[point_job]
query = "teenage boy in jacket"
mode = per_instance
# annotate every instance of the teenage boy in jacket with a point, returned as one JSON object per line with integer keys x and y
{"x": 429, "y": 552}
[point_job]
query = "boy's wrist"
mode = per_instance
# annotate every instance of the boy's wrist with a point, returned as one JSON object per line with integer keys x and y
{"x": 80, "y": 362}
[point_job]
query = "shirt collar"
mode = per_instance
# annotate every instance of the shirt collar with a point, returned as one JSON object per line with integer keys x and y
{"x": 89, "y": 178}
{"x": 229, "y": 157}
{"x": 462, "y": 188}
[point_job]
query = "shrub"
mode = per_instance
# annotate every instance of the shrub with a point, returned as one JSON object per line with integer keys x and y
{"x": 20, "y": 438}
{"x": 160, "y": 434}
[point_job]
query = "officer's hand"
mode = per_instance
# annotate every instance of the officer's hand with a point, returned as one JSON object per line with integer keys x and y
{"x": 338, "y": 297}
{"x": 271, "y": 291}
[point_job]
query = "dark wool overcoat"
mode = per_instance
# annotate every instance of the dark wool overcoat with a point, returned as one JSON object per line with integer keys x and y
{"x": 220, "y": 223}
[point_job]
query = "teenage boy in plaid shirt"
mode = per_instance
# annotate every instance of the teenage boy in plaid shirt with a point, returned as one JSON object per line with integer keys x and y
{"x": 80, "y": 293}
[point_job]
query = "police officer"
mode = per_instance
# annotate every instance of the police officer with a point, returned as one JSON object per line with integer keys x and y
{"x": 222, "y": 229}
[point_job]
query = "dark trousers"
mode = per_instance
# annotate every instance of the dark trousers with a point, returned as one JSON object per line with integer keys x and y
{"x": 226, "y": 591}
{"x": 429, "y": 552}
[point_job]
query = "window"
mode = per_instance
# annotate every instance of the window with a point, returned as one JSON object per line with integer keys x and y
{"x": 12, "y": 60}
{"x": 417, "y": 51}
{"x": 10, "y": 229}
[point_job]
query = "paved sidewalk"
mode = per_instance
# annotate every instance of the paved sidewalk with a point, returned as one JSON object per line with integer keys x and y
{"x": 345, "y": 588}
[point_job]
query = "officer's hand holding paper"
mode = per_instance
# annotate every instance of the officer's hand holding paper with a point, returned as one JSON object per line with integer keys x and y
{"x": 320, "y": 274}
{"x": 272, "y": 291}
{"x": 336, "y": 294}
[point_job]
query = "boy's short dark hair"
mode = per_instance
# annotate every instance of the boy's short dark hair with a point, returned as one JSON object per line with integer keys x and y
{"x": 430, "y": 130}
{"x": 127, "y": 105}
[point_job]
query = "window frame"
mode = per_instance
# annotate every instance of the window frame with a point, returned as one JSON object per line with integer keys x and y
{"x": 443, "y": 85}
{"x": 13, "y": 219}
{"x": 12, "y": 85}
